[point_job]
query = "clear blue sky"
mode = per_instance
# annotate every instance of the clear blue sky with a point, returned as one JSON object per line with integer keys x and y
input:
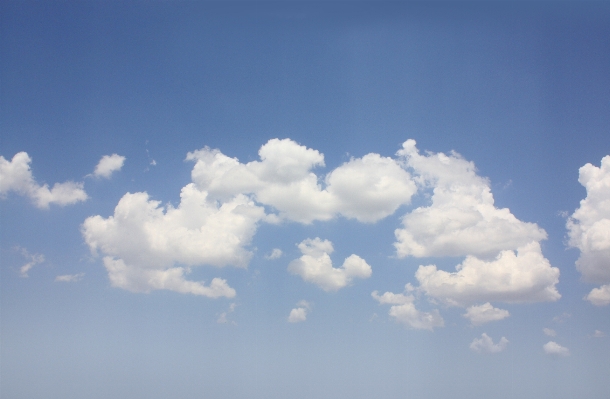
{"x": 304, "y": 200}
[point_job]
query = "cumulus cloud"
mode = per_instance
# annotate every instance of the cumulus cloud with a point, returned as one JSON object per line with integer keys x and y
{"x": 549, "y": 332}
{"x": 315, "y": 266}
{"x": 462, "y": 219}
{"x": 485, "y": 313}
{"x": 16, "y": 176}
{"x": 524, "y": 276}
{"x": 589, "y": 230}
{"x": 599, "y": 296}
{"x": 108, "y": 165}
{"x": 276, "y": 253}
{"x": 553, "y": 348}
{"x": 70, "y": 278}
{"x": 32, "y": 260}
{"x": 486, "y": 344}
{"x": 366, "y": 189}
{"x": 299, "y": 314}
{"x": 404, "y": 311}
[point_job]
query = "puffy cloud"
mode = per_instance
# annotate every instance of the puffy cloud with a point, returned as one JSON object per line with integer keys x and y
{"x": 485, "y": 313}
{"x": 108, "y": 165}
{"x": 589, "y": 230}
{"x": 143, "y": 241}
{"x": 276, "y": 253}
{"x": 549, "y": 332}
{"x": 33, "y": 260}
{"x": 524, "y": 276}
{"x": 404, "y": 311}
{"x": 599, "y": 296}
{"x": 299, "y": 313}
{"x": 70, "y": 278}
{"x": 462, "y": 219}
{"x": 553, "y": 348}
{"x": 367, "y": 188}
{"x": 315, "y": 266}
{"x": 486, "y": 344}
{"x": 16, "y": 176}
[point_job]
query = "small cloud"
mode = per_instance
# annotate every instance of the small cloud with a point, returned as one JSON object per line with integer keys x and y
{"x": 599, "y": 296}
{"x": 108, "y": 165}
{"x": 299, "y": 313}
{"x": 598, "y": 334}
{"x": 33, "y": 260}
{"x": 275, "y": 254}
{"x": 404, "y": 311}
{"x": 549, "y": 332}
{"x": 562, "y": 318}
{"x": 553, "y": 348}
{"x": 222, "y": 319}
{"x": 486, "y": 344}
{"x": 484, "y": 314}
{"x": 70, "y": 278}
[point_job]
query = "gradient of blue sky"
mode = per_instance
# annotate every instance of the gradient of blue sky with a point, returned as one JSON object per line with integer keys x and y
{"x": 520, "y": 89}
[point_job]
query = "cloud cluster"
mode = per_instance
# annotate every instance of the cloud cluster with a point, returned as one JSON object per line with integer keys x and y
{"x": 485, "y": 344}
{"x": 16, "y": 176}
{"x": 485, "y": 313}
{"x": 315, "y": 266}
{"x": 107, "y": 165}
{"x": 367, "y": 189}
{"x": 553, "y": 348}
{"x": 299, "y": 314}
{"x": 403, "y": 310}
{"x": 589, "y": 230}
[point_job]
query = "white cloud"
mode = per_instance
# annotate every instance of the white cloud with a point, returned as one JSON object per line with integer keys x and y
{"x": 485, "y": 313}
{"x": 462, "y": 219}
{"x": 598, "y": 334}
{"x": 404, "y": 311}
{"x": 315, "y": 266}
{"x": 549, "y": 332}
{"x": 485, "y": 344}
{"x": 299, "y": 314}
{"x": 367, "y": 188}
{"x": 589, "y": 225}
{"x": 599, "y": 296}
{"x": 562, "y": 318}
{"x": 276, "y": 253}
{"x": 70, "y": 278}
{"x": 553, "y": 348}
{"x": 223, "y": 317}
{"x": 109, "y": 164}
{"x": 33, "y": 260}
{"x": 525, "y": 276}
{"x": 16, "y": 176}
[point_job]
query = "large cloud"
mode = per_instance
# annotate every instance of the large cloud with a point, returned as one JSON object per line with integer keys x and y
{"x": 589, "y": 226}
{"x": 315, "y": 266}
{"x": 367, "y": 189}
{"x": 16, "y": 176}
{"x": 144, "y": 241}
{"x": 462, "y": 219}
{"x": 404, "y": 311}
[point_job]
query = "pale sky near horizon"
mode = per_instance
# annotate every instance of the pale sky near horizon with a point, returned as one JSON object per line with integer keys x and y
{"x": 304, "y": 199}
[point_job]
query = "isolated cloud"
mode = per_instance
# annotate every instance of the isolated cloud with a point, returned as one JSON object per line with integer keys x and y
{"x": 553, "y": 348}
{"x": 366, "y": 189}
{"x": 276, "y": 253}
{"x": 299, "y": 313}
{"x": 599, "y": 296}
{"x": 16, "y": 176}
{"x": 485, "y": 313}
{"x": 32, "y": 260}
{"x": 485, "y": 344}
{"x": 462, "y": 219}
{"x": 404, "y": 311}
{"x": 598, "y": 334}
{"x": 524, "y": 276}
{"x": 223, "y": 318}
{"x": 70, "y": 278}
{"x": 108, "y": 165}
{"x": 549, "y": 332}
{"x": 315, "y": 266}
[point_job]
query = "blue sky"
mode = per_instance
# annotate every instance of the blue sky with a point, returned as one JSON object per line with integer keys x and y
{"x": 304, "y": 200}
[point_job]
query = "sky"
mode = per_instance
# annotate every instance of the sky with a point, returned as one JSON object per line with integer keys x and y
{"x": 304, "y": 199}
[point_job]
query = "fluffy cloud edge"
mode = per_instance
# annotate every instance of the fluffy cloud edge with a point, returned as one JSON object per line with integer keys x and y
{"x": 108, "y": 165}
